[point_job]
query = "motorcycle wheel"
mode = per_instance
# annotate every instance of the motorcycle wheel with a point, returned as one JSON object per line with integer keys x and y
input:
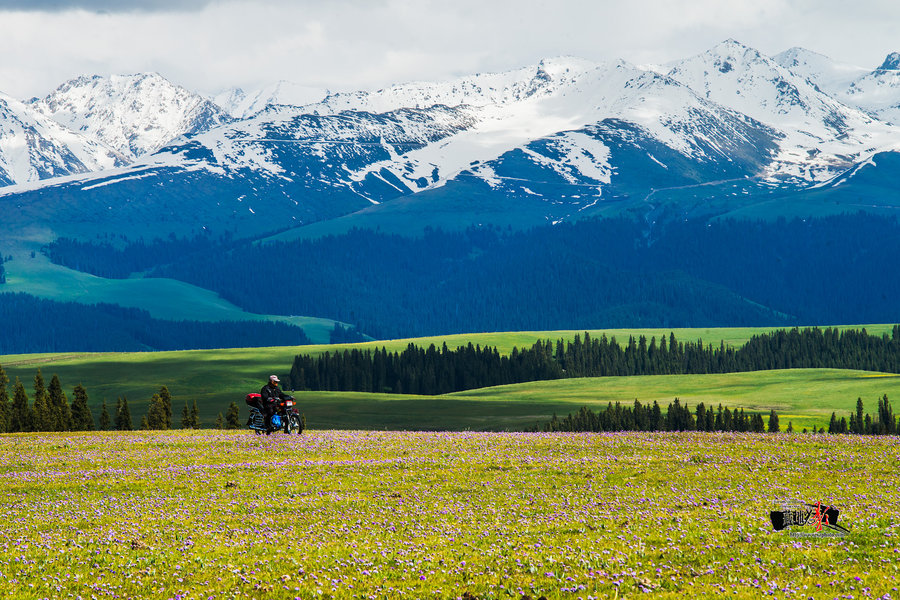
{"x": 295, "y": 421}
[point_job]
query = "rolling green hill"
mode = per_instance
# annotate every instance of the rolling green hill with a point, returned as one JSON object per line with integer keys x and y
{"x": 163, "y": 298}
{"x": 216, "y": 377}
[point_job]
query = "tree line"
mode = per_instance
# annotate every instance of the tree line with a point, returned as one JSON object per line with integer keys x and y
{"x": 51, "y": 410}
{"x": 593, "y": 273}
{"x": 432, "y": 371}
{"x": 71, "y": 326}
{"x": 678, "y": 417}
{"x": 884, "y": 422}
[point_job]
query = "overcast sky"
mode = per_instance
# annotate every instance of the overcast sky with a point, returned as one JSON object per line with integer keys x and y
{"x": 211, "y": 45}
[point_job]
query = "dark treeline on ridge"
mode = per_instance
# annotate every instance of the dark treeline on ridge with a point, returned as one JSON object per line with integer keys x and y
{"x": 588, "y": 274}
{"x": 114, "y": 258}
{"x": 35, "y": 325}
{"x": 429, "y": 371}
{"x": 678, "y": 417}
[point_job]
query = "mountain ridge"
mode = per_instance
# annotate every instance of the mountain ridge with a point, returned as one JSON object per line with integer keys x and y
{"x": 564, "y": 137}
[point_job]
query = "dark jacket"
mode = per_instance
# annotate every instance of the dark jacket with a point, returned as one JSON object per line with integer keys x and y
{"x": 271, "y": 393}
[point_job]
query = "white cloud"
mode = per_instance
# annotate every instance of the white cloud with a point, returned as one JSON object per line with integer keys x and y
{"x": 351, "y": 44}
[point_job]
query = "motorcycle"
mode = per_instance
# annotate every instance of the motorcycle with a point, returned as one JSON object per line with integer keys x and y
{"x": 286, "y": 417}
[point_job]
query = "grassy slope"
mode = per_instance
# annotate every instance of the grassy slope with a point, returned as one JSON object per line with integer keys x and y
{"x": 216, "y": 377}
{"x": 162, "y": 298}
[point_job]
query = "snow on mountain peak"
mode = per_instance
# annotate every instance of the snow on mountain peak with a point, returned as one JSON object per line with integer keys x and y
{"x": 241, "y": 105}
{"x": 34, "y": 147}
{"x": 133, "y": 114}
{"x": 821, "y": 70}
{"x": 891, "y": 63}
{"x": 786, "y": 99}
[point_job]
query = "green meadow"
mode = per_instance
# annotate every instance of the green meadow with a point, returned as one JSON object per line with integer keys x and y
{"x": 458, "y": 515}
{"x": 214, "y": 378}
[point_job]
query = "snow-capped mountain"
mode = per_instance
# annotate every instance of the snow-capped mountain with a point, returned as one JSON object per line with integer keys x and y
{"x": 133, "y": 114}
{"x": 241, "y": 105}
{"x": 557, "y": 135}
{"x": 821, "y": 135}
{"x": 552, "y": 141}
{"x": 484, "y": 89}
{"x": 877, "y": 92}
{"x": 34, "y": 147}
{"x": 830, "y": 75}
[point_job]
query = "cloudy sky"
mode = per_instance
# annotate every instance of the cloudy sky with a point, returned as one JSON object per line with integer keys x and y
{"x": 211, "y": 45}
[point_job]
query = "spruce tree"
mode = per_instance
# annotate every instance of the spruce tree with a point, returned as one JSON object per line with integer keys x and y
{"x": 43, "y": 413}
{"x": 220, "y": 421}
{"x": 144, "y": 424}
{"x": 233, "y": 416}
{"x": 156, "y": 413}
{"x": 105, "y": 423}
{"x": 185, "y": 416}
{"x": 82, "y": 419}
{"x": 758, "y": 425}
{"x": 166, "y": 398}
{"x": 833, "y": 424}
{"x": 19, "y": 417}
{"x": 790, "y": 427}
{"x": 195, "y": 416}
{"x": 4, "y": 401}
{"x": 123, "y": 415}
{"x": 773, "y": 422}
{"x": 59, "y": 404}
{"x": 860, "y": 427}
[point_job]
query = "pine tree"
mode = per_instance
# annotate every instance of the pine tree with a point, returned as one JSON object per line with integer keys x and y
{"x": 19, "y": 414}
{"x": 185, "y": 417}
{"x": 105, "y": 423}
{"x": 43, "y": 413}
{"x": 220, "y": 421}
{"x": 833, "y": 424}
{"x": 4, "y": 401}
{"x": 860, "y": 427}
{"x": 195, "y": 416}
{"x": 123, "y": 415}
{"x": 82, "y": 419}
{"x": 757, "y": 423}
{"x": 233, "y": 416}
{"x": 156, "y": 413}
{"x": 166, "y": 398}
{"x": 790, "y": 427}
{"x": 773, "y": 422}
{"x": 59, "y": 404}
{"x": 144, "y": 424}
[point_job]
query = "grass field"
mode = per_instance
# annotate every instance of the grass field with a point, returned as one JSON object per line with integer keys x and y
{"x": 216, "y": 377}
{"x": 806, "y": 397}
{"x": 339, "y": 514}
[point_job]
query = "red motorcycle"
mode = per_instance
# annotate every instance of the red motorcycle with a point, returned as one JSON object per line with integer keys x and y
{"x": 286, "y": 417}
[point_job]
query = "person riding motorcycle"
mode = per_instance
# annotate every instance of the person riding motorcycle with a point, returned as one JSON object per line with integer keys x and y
{"x": 270, "y": 395}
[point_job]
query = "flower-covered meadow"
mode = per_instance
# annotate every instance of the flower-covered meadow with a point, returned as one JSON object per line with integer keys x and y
{"x": 350, "y": 514}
